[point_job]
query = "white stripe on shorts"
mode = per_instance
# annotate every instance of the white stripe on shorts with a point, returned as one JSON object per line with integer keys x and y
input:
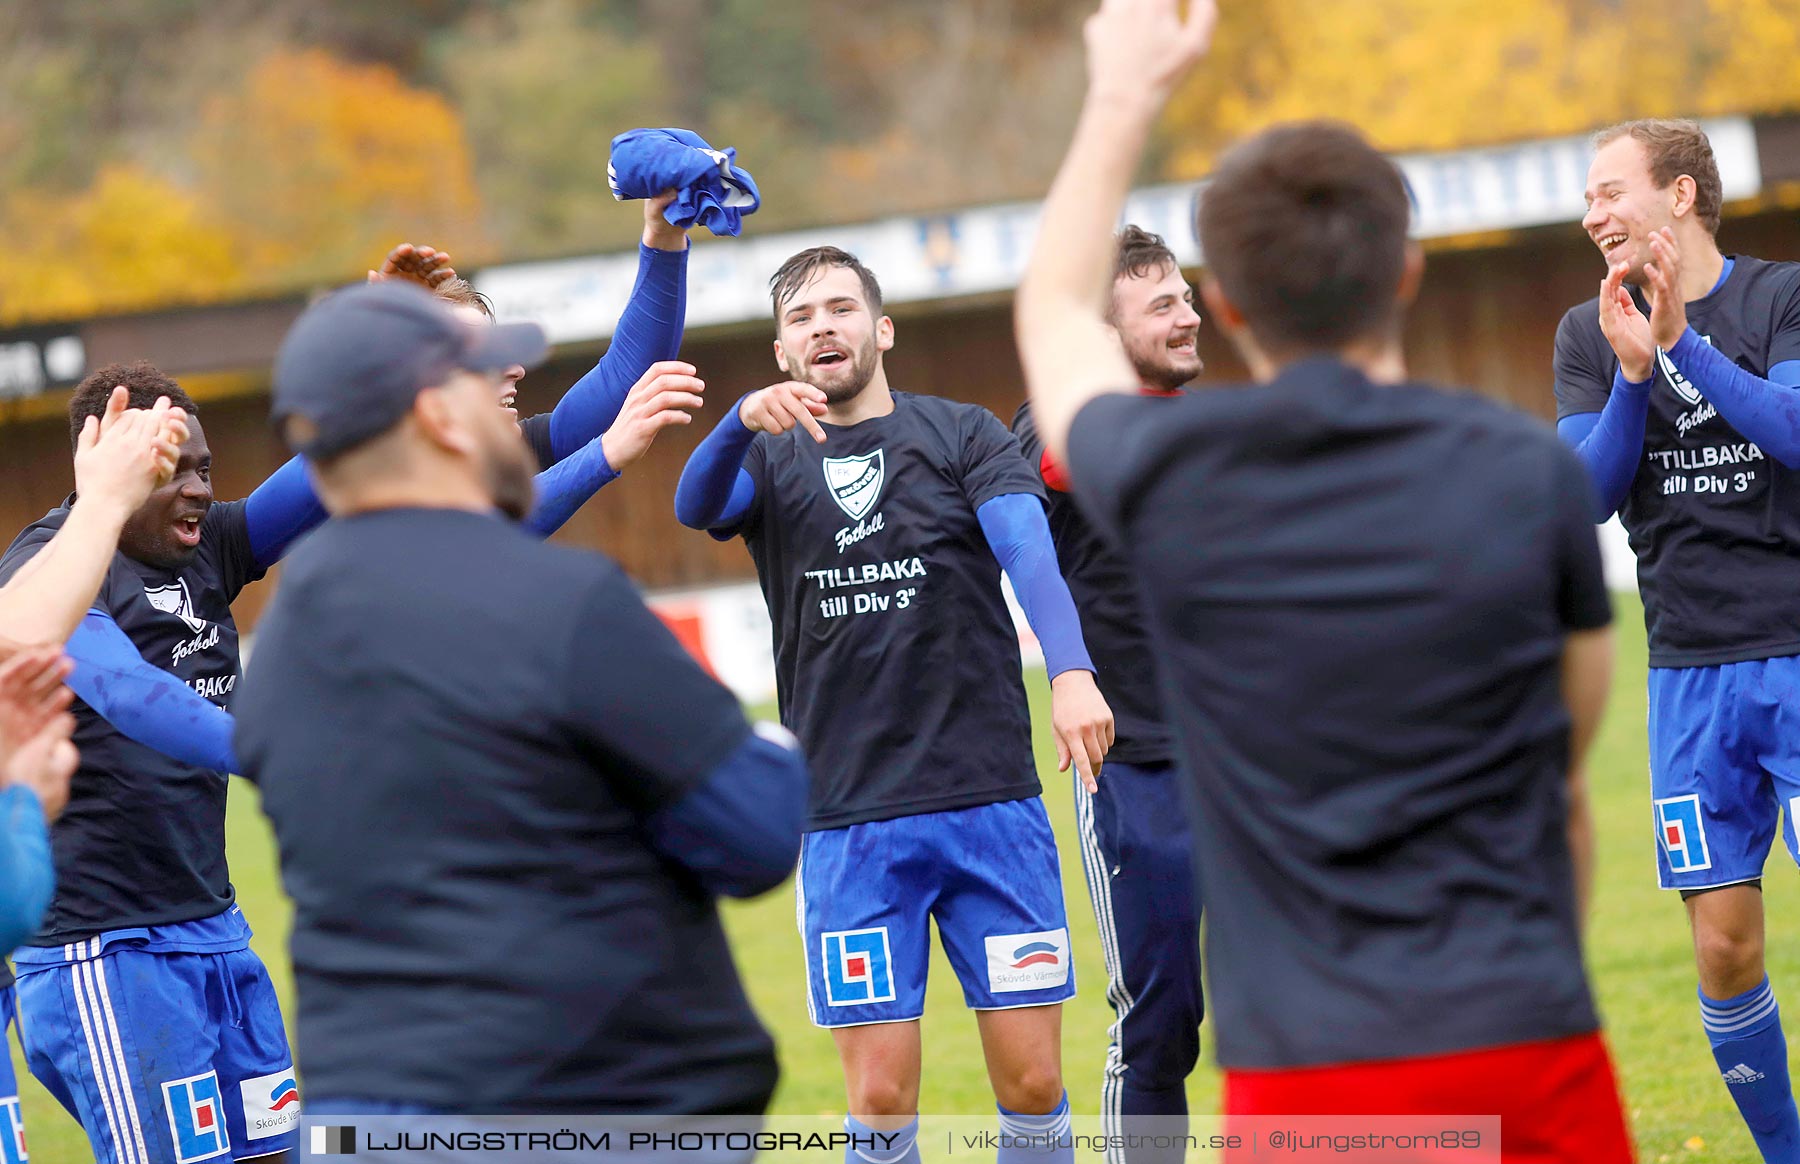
{"x": 111, "y": 1021}
{"x": 101, "y": 1066}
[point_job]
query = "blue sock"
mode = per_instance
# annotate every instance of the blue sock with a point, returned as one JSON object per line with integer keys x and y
{"x": 1036, "y": 1139}
{"x": 869, "y": 1146}
{"x": 1746, "y": 1038}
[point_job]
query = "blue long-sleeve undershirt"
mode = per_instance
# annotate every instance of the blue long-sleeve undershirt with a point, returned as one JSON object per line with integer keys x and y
{"x": 284, "y": 507}
{"x": 146, "y": 703}
{"x": 739, "y": 831}
{"x": 1766, "y": 412}
{"x": 566, "y": 486}
{"x": 280, "y": 510}
{"x": 1611, "y": 442}
{"x": 1019, "y": 534}
{"x": 27, "y": 877}
{"x": 648, "y": 330}
{"x": 715, "y": 491}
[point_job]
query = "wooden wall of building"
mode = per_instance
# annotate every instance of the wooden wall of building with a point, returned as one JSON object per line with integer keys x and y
{"x": 1486, "y": 319}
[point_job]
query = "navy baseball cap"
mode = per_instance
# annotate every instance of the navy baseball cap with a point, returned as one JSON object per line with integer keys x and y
{"x": 354, "y": 361}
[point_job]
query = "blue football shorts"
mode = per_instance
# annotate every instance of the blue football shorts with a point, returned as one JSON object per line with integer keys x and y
{"x": 164, "y": 1058}
{"x": 866, "y": 896}
{"x": 12, "y": 1120}
{"x": 1724, "y": 768}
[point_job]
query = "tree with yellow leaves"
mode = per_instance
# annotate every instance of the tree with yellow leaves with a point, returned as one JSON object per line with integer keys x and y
{"x": 314, "y": 164}
{"x": 303, "y": 174}
{"x": 1444, "y": 74}
{"x": 129, "y": 240}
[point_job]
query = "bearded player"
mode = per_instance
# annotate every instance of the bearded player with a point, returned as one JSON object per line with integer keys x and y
{"x": 1134, "y": 833}
{"x": 1678, "y": 388}
{"x": 880, "y": 521}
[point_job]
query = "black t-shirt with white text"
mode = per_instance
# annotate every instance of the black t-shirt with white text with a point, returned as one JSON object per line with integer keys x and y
{"x": 460, "y": 732}
{"x": 142, "y": 841}
{"x": 896, "y": 661}
{"x": 1359, "y": 596}
{"x": 1112, "y": 619}
{"x": 1714, "y": 522}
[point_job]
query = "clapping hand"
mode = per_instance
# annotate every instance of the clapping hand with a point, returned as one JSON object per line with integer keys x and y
{"x": 35, "y": 726}
{"x": 406, "y": 263}
{"x": 124, "y": 454}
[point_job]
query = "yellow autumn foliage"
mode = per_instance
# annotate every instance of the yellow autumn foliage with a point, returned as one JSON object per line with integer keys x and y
{"x": 315, "y": 164}
{"x": 130, "y": 240}
{"x": 306, "y": 173}
{"x": 1440, "y": 74}
{"x": 306, "y": 167}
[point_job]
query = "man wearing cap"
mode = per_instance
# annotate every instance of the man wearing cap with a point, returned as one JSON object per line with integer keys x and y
{"x": 503, "y": 826}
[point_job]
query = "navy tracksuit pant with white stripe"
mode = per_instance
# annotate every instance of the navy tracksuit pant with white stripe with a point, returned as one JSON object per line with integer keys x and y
{"x": 1135, "y": 852}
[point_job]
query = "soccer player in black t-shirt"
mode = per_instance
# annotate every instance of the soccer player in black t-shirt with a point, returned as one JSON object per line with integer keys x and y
{"x": 1380, "y": 702}
{"x": 503, "y": 825}
{"x": 144, "y": 1011}
{"x": 1679, "y": 386}
{"x": 120, "y": 456}
{"x": 880, "y": 522}
{"x": 1134, "y": 835}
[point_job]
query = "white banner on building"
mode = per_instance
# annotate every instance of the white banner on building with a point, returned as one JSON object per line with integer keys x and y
{"x": 983, "y": 249}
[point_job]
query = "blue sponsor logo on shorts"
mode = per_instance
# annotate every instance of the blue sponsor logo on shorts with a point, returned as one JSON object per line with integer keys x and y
{"x": 857, "y": 967}
{"x": 1683, "y": 835}
{"x": 12, "y": 1129}
{"x": 196, "y": 1117}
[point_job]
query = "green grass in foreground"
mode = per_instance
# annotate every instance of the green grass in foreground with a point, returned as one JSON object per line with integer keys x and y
{"x": 1637, "y": 950}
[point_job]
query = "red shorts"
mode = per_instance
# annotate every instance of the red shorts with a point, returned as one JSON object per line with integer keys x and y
{"x": 1557, "y": 1100}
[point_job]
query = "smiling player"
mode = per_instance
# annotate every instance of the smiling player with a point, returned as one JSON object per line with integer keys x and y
{"x": 143, "y": 1009}
{"x": 1686, "y": 409}
{"x": 1134, "y": 830}
{"x": 879, "y": 522}
{"x": 610, "y": 417}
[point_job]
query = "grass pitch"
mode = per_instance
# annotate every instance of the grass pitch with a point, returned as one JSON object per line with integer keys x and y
{"x": 1638, "y": 953}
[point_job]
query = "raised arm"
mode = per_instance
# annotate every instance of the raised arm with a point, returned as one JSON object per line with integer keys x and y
{"x": 119, "y": 458}
{"x": 280, "y": 510}
{"x": 1138, "y": 50}
{"x": 667, "y": 394}
{"x": 649, "y": 330}
{"x": 146, "y": 703}
{"x": 27, "y": 879}
{"x": 1019, "y": 534}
